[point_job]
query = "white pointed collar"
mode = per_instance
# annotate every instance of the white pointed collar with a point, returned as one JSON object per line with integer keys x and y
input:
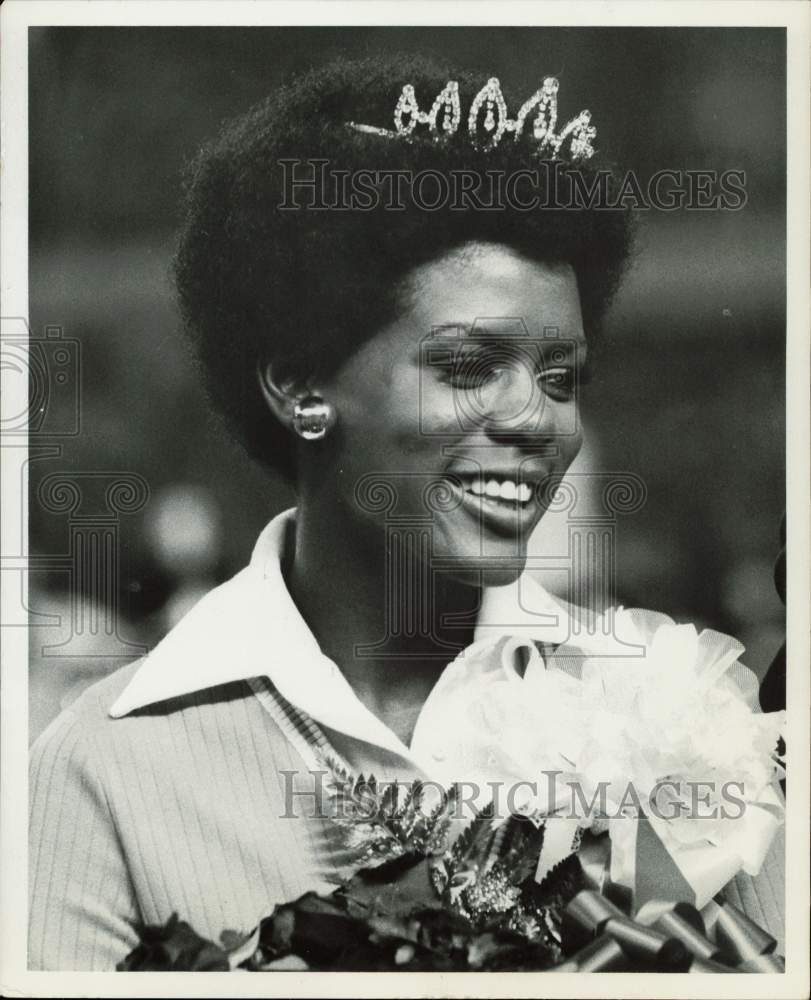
{"x": 250, "y": 627}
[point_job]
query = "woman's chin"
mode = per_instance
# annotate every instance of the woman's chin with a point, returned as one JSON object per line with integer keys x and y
{"x": 482, "y": 571}
{"x": 502, "y": 576}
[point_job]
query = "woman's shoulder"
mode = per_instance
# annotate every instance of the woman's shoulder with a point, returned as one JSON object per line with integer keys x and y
{"x": 104, "y": 758}
{"x": 89, "y": 711}
{"x": 79, "y": 739}
{"x": 94, "y": 703}
{"x": 90, "y": 719}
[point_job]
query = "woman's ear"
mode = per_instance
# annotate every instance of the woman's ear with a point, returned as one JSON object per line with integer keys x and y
{"x": 296, "y": 405}
{"x": 280, "y": 395}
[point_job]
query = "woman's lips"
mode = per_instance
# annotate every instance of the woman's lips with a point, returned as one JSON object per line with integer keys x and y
{"x": 502, "y": 506}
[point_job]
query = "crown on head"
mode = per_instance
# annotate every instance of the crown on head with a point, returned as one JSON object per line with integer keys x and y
{"x": 445, "y": 117}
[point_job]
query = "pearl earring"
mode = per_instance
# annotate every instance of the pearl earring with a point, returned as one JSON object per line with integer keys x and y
{"x": 312, "y": 418}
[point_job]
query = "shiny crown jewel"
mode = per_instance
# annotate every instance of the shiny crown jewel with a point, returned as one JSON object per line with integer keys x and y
{"x": 445, "y": 117}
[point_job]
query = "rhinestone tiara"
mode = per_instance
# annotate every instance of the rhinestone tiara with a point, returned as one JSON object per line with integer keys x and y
{"x": 445, "y": 117}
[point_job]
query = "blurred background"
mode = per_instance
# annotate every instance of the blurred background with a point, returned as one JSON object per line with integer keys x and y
{"x": 688, "y": 395}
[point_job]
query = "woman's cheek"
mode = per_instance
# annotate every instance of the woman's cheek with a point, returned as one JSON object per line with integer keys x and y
{"x": 571, "y": 441}
{"x": 435, "y": 417}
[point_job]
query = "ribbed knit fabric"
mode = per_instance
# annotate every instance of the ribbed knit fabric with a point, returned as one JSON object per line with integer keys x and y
{"x": 179, "y": 807}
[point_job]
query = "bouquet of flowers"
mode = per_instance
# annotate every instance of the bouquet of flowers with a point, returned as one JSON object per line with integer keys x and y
{"x": 657, "y": 786}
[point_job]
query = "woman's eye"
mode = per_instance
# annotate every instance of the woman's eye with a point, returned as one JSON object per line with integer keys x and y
{"x": 474, "y": 373}
{"x": 558, "y": 382}
{"x": 472, "y": 376}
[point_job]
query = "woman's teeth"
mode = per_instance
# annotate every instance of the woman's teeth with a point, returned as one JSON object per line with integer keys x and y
{"x": 504, "y": 489}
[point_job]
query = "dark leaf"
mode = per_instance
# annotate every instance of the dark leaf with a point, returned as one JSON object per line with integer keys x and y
{"x": 317, "y": 929}
{"x": 393, "y": 888}
{"x": 277, "y": 933}
{"x": 321, "y": 938}
{"x": 443, "y": 930}
{"x": 406, "y": 815}
{"x": 560, "y": 885}
{"x": 471, "y": 844}
{"x": 521, "y": 957}
{"x": 525, "y": 849}
{"x": 389, "y": 872}
{"x": 388, "y": 803}
{"x": 173, "y": 947}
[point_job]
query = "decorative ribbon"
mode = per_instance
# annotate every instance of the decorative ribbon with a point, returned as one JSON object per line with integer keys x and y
{"x": 667, "y": 935}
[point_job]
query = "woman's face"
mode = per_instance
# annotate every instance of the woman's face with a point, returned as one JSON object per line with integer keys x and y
{"x": 453, "y": 419}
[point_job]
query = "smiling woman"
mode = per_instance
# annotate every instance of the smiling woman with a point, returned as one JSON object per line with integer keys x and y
{"x": 416, "y": 374}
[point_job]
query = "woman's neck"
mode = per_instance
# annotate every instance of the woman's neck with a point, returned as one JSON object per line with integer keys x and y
{"x": 379, "y": 613}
